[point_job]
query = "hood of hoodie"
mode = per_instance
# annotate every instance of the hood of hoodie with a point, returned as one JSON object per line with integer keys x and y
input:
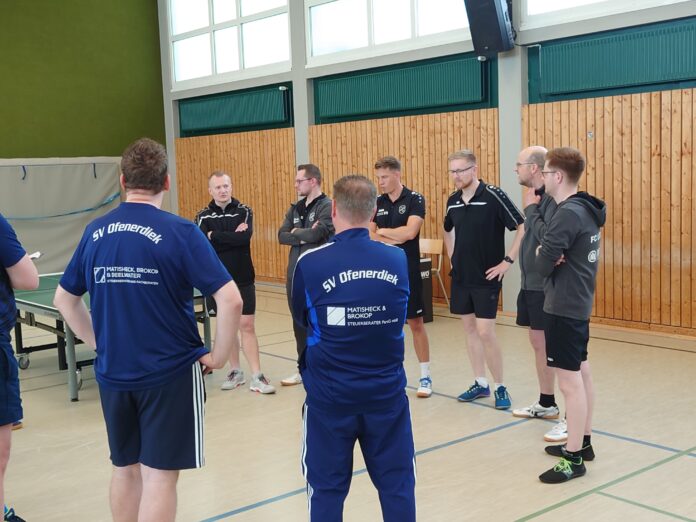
{"x": 593, "y": 205}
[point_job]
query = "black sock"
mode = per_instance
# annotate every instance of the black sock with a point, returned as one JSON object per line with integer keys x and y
{"x": 586, "y": 441}
{"x": 547, "y": 400}
{"x": 574, "y": 456}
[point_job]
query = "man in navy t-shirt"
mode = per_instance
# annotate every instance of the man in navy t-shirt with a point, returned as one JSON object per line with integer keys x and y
{"x": 140, "y": 266}
{"x": 16, "y": 271}
{"x": 351, "y": 295}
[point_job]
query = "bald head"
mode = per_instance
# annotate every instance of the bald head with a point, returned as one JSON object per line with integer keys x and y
{"x": 535, "y": 154}
{"x": 530, "y": 162}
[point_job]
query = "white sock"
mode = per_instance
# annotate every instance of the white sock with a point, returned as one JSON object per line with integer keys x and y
{"x": 425, "y": 369}
{"x": 482, "y": 381}
{"x": 498, "y": 385}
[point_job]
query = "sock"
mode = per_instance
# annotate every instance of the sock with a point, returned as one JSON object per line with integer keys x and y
{"x": 574, "y": 456}
{"x": 586, "y": 441}
{"x": 425, "y": 369}
{"x": 482, "y": 381}
{"x": 547, "y": 400}
{"x": 497, "y": 385}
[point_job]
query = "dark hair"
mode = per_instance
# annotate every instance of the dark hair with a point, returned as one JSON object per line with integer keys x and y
{"x": 356, "y": 198}
{"x": 311, "y": 171}
{"x": 388, "y": 162}
{"x": 144, "y": 166}
{"x": 569, "y": 160}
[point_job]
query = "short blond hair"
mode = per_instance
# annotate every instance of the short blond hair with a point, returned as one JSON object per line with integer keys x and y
{"x": 464, "y": 154}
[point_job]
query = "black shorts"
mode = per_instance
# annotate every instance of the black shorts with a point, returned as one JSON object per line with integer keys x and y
{"x": 160, "y": 427}
{"x": 415, "y": 296}
{"x": 479, "y": 300}
{"x": 530, "y": 309}
{"x": 566, "y": 341}
{"x": 248, "y": 293}
{"x": 10, "y": 401}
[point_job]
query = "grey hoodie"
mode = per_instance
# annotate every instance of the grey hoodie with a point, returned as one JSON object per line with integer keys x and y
{"x": 533, "y": 232}
{"x": 308, "y": 236}
{"x": 574, "y": 233}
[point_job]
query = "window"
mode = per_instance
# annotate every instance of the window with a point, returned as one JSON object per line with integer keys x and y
{"x": 544, "y": 13}
{"x": 359, "y": 28}
{"x": 210, "y": 38}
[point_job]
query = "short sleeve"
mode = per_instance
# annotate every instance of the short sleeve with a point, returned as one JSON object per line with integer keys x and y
{"x": 417, "y": 205}
{"x": 202, "y": 265}
{"x": 11, "y": 250}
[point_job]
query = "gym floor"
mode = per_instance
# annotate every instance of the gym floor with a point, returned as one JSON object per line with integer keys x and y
{"x": 474, "y": 462}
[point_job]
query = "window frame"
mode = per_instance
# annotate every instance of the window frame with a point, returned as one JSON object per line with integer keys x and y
{"x": 229, "y": 76}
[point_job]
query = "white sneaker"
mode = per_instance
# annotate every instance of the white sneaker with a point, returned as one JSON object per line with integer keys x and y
{"x": 261, "y": 384}
{"x": 425, "y": 387}
{"x": 537, "y": 411}
{"x": 234, "y": 379}
{"x": 294, "y": 379}
{"x": 559, "y": 433}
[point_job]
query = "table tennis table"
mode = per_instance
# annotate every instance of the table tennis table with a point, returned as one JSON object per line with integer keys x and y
{"x": 39, "y": 302}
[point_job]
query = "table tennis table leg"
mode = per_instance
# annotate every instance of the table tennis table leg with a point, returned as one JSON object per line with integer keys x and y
{"x": 72, "y": 363}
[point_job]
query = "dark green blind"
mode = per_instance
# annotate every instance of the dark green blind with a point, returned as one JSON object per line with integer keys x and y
{"x": 268, "y": 107}
{"x": 650, "y": 57}
{"x": 442, "y": 85}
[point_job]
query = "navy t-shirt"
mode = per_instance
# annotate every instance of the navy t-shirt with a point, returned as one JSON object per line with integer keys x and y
{"x": 10, "y": 254}
{"x": 140, "y": 266}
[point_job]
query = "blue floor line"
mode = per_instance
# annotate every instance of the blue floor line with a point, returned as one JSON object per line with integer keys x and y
{"x": 360, "y": 472}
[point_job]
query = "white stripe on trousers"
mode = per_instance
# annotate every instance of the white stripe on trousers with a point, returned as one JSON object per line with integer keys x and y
{"x": 304, "y": 460}
{"x": 198, "y": 413}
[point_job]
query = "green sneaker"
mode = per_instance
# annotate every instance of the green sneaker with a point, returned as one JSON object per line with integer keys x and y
{"x": 564, "y": 471}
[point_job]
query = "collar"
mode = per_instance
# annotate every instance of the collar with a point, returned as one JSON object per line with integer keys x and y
{"x": 353, "y": 233}
{"x": 405, "y": 191}
{"x": 215, "y": 208}
{"x": 479, "y": 190}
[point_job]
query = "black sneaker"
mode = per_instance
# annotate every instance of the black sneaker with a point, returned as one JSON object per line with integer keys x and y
{"x": 564, "y": 471}
{"x": 559, "y": 451}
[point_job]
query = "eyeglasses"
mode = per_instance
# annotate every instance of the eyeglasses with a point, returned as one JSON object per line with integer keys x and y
{"x": 518, "y": 164}
{"x": 298, "y": 181}
{"x": 461, "y": 171}
{"x": 545, "y": 172}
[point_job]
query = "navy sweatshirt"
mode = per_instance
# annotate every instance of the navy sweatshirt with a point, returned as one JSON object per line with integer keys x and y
{"x": 351, "y": 295}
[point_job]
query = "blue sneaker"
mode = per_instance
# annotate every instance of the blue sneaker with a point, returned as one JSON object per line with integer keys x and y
{"x": 475, "y": 391}
{"x": 10, "y": 516}
{"x": 502, "y": 398}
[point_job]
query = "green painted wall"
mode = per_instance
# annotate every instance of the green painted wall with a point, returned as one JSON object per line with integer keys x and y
{"x": 78, "y": 77}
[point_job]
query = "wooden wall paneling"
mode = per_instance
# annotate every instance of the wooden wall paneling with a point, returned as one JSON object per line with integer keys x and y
{"x": 625, "y": 216}
{"x": 616, "y": 204}
{"x": 655, "y": 209}
{"x": 645, "y": 207}
{"x": 634, "y": 216}
{"x": 693, "y": 212}
{"x": 665, "y": 214}
{"x": 675, "y": 208}
{"x": 640, "y": 160}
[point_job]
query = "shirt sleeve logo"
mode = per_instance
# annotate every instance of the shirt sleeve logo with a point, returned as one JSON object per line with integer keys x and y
{"x": 335, "y": 316}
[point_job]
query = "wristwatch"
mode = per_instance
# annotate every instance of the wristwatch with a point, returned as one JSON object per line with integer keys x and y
{"x": 509, "y": 260}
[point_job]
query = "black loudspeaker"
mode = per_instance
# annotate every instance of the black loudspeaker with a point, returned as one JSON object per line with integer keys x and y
{"x": 491, "y": 30}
